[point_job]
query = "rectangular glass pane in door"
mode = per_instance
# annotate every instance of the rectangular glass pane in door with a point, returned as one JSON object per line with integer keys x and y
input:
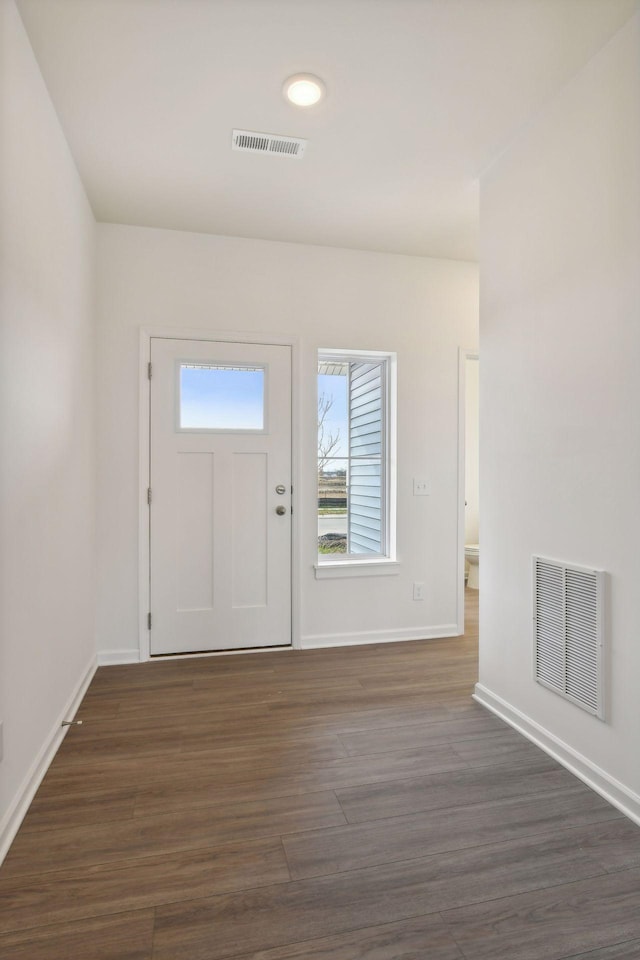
{"x": 217, "y": 397}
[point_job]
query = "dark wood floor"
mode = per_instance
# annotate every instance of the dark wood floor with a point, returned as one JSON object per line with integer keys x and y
{"x": 350, "y": 804}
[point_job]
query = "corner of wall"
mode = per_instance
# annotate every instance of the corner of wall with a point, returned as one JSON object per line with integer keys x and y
{"x": 12, "y": 819}
{"x": 577, "y": 763}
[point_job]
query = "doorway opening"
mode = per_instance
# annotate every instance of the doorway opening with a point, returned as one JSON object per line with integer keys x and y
{"x": 468, "y": 487}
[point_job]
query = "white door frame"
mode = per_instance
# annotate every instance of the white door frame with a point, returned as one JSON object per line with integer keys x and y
{"x": 144, "y": 559}
{"x": 464, "y": 354}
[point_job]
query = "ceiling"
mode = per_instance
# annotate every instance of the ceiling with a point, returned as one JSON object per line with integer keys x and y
{"x": 421, "y": 96}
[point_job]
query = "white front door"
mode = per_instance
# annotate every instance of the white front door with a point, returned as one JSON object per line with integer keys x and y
{"x": 220, "y": 476}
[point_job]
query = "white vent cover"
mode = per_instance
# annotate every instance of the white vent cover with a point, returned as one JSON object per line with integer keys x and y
{"x": 568, "y": 618}
{"x": 250, "y": 142}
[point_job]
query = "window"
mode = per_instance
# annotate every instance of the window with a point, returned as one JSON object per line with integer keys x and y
{"x": 354, "y": 444}
{"x": 218, "y": 397}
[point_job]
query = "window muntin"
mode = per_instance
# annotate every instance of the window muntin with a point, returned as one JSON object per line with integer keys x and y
{"x": 353, "y": 460}
{"x": 221, "y": 397}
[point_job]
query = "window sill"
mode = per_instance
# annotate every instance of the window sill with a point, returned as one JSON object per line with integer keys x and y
{"x": 356, "y": 568}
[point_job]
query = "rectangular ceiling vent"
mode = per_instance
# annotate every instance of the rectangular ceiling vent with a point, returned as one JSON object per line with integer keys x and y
{"x": 568, "y": 628}
{"x": 250, "y": 142}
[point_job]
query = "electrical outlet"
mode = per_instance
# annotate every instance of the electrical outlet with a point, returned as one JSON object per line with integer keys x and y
{"x": 420, "y": 487}
{"x": 418, "y": 591}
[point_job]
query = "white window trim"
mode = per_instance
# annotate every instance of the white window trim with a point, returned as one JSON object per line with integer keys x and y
{"x": 377, "y": 567}
{"x": 387, "y": 565}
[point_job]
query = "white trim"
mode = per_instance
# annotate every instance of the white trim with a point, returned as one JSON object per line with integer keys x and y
{"x": 296, "y": 498}
{"x": 207, "y": 654}
{"x": 109, "y": 658}
{"x": 21, "y": 802}
{"x": 464, "y": 354}
{"x": 229, "y": 336}
{"x": 590, "y": 773}
{"x": 144, "y": 557}
{"x": 314, "y": 640}
{"x": 354, "y": 568}
{"x": 391, "y": 440}
{"x": 114, "y": 658}
{"x": 146, "y": 333}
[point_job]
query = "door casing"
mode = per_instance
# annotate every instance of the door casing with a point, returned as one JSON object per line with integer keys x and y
{"x": 464, "y": 354}
{"x": 144, "y": 559}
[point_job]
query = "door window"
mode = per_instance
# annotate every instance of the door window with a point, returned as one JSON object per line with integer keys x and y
{"x": 220, "y": 397}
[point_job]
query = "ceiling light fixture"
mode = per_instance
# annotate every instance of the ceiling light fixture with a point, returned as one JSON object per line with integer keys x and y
{"x": 304, "y": 90}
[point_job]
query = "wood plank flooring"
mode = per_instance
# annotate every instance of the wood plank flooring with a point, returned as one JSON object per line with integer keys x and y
{"x": 347, "y": 804}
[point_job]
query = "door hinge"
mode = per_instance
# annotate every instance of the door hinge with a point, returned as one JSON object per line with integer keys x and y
{"x": 148, "y": 621}
{"x": 149, "y": 495}
{"x": 149, "y": 370}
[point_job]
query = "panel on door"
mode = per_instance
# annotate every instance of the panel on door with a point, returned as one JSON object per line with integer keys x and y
{"x": 220, "y": 514}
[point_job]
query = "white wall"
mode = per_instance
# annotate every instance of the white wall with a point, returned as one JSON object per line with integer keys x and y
{"x": 471, "y": 451}
{"x": 560, "y": 395}
{"x": 47, "y": 474}
{"x": 423, "y": 309}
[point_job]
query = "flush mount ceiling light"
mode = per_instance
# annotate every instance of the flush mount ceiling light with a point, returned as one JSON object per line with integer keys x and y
{"x": 303, "y": 89}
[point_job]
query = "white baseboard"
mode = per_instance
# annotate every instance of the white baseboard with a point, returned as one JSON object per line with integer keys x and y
{"x": 109, "y": 658}
{"x": 19, "y": 806}
{"x": 314, "y": 640}
{"x": 620, "y": 796}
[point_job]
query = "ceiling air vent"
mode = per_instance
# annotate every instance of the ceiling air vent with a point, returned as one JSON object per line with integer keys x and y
{"x": 251, "y": 142}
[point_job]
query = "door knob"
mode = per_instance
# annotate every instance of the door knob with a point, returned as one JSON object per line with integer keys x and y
{"x": 281, "y": 511}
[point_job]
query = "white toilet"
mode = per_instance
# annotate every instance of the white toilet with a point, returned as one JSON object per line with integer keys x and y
{"x": 472, "y": 556}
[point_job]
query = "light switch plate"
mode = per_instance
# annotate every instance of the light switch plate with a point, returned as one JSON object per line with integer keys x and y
{"x": 420, "y": 487}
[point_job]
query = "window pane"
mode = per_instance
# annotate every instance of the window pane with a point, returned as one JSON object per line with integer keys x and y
{"x": 332, "y": 506}
{"x": 365, "y": 527}
{"x": 214, "y": 397}
{"x": 352, "y": 450}
{"x": 333, "y": 439}
{"x": 333, "y": 420}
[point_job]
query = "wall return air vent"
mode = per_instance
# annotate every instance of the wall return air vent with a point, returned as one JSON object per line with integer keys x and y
{"x": 250, "y": 142}
{"x": 568, "y": 628}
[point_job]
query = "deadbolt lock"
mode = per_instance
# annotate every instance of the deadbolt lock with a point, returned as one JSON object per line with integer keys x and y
{"x": 281, "y": 489}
